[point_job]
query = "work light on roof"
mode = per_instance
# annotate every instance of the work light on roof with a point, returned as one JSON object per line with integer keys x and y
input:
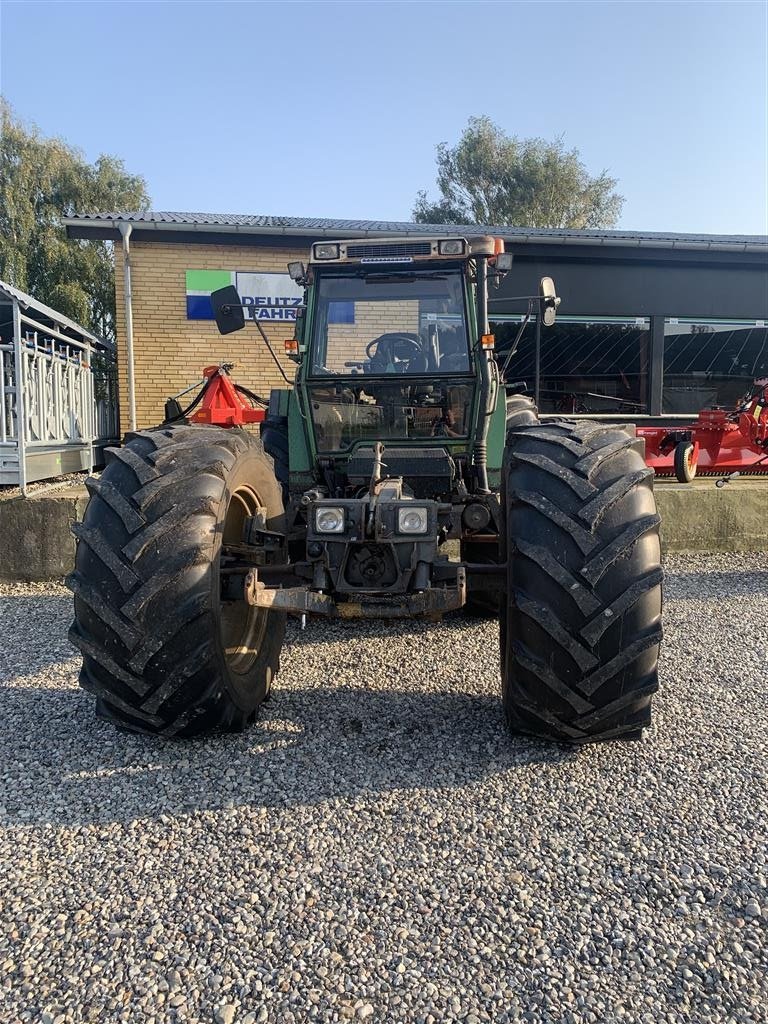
{"x": 451, "y": 247}
{"x": 326, "y": 250}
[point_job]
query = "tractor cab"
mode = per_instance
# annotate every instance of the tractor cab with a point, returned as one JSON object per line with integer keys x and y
{"x": 389, "y": 346}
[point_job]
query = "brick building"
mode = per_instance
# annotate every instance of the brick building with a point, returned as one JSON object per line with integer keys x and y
{"x": 650, "y": 323}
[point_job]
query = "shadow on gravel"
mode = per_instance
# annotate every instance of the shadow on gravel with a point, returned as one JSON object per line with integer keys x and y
{"x": 62, "y": 766}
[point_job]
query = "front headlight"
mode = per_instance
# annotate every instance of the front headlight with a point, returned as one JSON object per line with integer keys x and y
{"x": 329, "y": 520}
{"x": 412, "y": 520}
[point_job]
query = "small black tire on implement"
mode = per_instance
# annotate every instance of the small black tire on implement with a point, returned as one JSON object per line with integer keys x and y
{"x": 163, "y": 652}
{"x": 581, "y": 625}
{"x": 685, "y": 467}
{"x": 521, "y": 411}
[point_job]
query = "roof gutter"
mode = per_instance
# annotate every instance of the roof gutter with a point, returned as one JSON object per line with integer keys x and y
{"x": 522, "y": 237}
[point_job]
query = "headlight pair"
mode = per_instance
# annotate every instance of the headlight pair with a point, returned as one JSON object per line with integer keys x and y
{"x": 411, "y": 519}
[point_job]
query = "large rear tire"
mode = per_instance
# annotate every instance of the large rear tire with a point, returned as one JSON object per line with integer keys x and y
{"x": 581, "y": 626}
{"x": 163, "y": 651}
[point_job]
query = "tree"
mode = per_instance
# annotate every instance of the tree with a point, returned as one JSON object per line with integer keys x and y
{"x": 41, "y": 182}
{"x": 490, "y": 177}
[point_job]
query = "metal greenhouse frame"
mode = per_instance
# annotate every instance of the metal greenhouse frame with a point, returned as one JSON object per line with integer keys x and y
{"x": 58, "y": 392}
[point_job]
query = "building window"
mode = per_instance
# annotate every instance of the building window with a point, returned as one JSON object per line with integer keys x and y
{"x": 711, "y": 362}
{"x": 588, "y": 365}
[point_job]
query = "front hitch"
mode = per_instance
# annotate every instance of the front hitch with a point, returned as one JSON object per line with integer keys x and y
{"x": 430, "y": 603}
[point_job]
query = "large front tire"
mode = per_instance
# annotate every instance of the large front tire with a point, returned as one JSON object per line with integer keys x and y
{"x": 163, "y": 651}
{"x": 580, "y": 628}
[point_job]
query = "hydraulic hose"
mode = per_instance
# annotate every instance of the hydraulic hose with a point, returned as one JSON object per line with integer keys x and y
{"x": 251, "y": 395}
{"x": 192, "y": 405}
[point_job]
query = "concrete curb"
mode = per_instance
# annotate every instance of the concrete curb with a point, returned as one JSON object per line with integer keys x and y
{"x": 36, "y": 542}
{"x": 703, "y": 517}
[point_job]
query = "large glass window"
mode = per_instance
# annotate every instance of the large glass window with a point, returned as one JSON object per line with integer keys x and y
{"x": 402, "y": 322}
{"x": 378, "y": 410}
{"x": 711, "y": 363}
{"x": 587, "y": 365}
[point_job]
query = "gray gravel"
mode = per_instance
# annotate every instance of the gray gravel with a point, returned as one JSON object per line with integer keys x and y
{"x": 377, "y": 847}
{"x": 66, "y": 482}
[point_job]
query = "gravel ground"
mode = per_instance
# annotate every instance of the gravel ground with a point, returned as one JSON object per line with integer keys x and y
{"x": 52, "y": 487}
{"x": 377, "y": 847}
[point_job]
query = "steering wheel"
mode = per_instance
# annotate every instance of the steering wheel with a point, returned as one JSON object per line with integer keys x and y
{"x": 394, "y": 347}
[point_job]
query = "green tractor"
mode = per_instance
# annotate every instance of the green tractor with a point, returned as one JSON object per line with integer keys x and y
{"x": 398, "y": 445}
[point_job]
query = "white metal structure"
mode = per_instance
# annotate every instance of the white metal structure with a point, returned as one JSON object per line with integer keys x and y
{"x": 58, "y": 393}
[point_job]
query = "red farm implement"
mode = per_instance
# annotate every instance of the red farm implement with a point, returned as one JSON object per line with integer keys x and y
{"x": 718, "y": 443}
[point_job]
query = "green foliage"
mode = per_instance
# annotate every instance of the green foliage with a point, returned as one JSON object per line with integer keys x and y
{"x": 489, "y": 177}
{"x": 41, "y": 182}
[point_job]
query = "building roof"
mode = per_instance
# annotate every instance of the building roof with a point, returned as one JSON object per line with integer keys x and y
{"x": 8, "y": 293}
{"x": 254, "y": 224}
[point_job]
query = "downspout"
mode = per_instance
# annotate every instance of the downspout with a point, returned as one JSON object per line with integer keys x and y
{"x": 125, "y": 231}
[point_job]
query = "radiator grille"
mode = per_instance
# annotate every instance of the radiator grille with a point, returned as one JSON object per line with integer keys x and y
{"x": 395, "y": 249}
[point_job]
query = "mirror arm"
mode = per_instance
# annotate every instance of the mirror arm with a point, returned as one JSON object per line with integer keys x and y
{"x": 516, "y": 342}
{"x": 278, "y": 364}
{"x": 516, "y": 298}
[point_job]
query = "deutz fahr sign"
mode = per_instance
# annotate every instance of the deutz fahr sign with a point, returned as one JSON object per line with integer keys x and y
{"x": 258, "y": 292}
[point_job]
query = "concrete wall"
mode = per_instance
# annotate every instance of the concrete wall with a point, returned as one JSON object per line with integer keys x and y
{"x": 38, "y": 545}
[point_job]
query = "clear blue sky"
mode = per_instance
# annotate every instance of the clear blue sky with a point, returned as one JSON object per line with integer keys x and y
{"x": 334, "y": 109}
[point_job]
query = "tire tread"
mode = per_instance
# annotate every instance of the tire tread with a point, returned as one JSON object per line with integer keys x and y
{"x": 581, "y": 630}
{"x": 143, "y": 537}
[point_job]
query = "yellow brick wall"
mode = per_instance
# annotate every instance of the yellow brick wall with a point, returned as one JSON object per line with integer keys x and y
{"x": 171, "y": 351}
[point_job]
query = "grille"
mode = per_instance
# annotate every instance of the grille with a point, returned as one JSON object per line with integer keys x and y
{"x": 427, "y": 471}
{"x": 394, "y": 249}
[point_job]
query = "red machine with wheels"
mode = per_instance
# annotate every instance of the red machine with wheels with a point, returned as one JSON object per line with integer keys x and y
{"x": 719, "y": 443}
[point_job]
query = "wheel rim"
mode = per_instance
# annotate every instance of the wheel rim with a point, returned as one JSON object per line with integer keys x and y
{"x": 241, "y": 626}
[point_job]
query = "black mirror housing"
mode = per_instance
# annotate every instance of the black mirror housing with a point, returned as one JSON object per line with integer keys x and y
{"x": 227, "y": 309}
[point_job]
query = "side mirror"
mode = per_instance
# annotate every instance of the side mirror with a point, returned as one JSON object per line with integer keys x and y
{"x": 227, "y": 310}
{"x": 548, "y": 301}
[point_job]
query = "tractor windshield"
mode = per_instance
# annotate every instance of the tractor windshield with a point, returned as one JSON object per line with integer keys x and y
{"x": 385, "y": 323}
